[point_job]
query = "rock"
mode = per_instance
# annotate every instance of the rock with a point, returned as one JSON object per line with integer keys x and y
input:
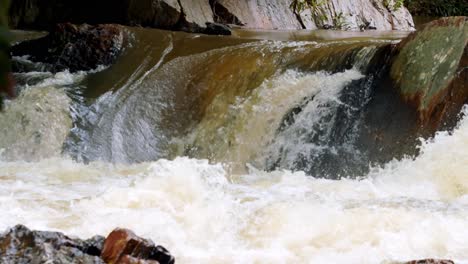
{"x": 430, "y": 70}
{"x": 123, "y": 245}
{"x": 163, "y": 14}
{"x": 339, "y": 14}
{"x": 351, "y": 15}
{"x": 217, "y": 29}
{"x": 20, "y": 245}
{"x": 195, "y": 15}
{"x": 75, "y": 47}
{"x": 192, "y": 15}
{"x": 261, "y": 14}
{"x": 430, "y": 261}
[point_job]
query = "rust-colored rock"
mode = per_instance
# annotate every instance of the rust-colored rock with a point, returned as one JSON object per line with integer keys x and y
{"x": 123, "y": 245}
{"x": 430, "y": 70}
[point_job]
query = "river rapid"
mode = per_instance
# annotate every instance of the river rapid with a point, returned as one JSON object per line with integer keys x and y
{"x": 176, "y": 142}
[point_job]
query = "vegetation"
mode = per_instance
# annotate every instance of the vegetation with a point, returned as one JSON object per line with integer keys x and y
{"x": 393, "y": 5}
{"x": 317, "y": 8}
{"x": 437, "y": 7}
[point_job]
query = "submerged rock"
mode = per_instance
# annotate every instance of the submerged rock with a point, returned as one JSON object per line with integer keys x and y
{"x": 430, "y": 70}
{"x": 123, "y": 246}
{"x": 75, "y": 47}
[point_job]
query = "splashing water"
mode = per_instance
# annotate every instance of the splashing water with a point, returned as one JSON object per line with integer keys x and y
{"x": 409, "y": 209}
{"x": 209, "y": 212}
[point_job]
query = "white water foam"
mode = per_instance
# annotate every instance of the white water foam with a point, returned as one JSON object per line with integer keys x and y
{"x": 410, "y": 209}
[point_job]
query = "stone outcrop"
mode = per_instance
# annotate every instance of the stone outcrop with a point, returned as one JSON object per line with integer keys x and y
{"x": 75, "y": 47}
{"x": 431, "y": 67}
{"x": 193, "y": 15}
{"x": 19, "y": 245}
{"x": 359, "y": 15}
{"x": 262, "y": 14}
{"x": 163, "y": 14}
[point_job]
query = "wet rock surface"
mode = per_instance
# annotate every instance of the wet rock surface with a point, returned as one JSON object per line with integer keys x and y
{"x": 430, "y": 69}
{"x": 217, "y": 29}
{"x": 123, "y": 246}
{"x": 20, "y": 245}
{"x": 75, "y": 47}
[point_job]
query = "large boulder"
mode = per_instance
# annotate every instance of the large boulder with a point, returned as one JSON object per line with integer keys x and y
{"x": 195, "y": 14}
{"x": 75, "y": 47}
{"x": 362, "y": 14}
{"x": 19, "y": 245}
{"x": 163, "y": 14}
{"x": 339, "y": 14}
{"x": 430, "y": 70}
{"x": 259, "y": 14}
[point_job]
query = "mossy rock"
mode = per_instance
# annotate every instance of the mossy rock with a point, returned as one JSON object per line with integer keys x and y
{"x": 428, "y": 63}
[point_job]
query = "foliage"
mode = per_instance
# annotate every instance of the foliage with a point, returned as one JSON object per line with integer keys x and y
{"x": 317, "y": 8}
{"x": 300, "y": 5}
{"x": 438, "y": 7}
{"x": 393, "y": 5}
{"x": 339, "y": 22}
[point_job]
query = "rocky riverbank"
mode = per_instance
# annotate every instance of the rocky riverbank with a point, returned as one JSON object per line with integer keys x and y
{"x": 199, "y": 15}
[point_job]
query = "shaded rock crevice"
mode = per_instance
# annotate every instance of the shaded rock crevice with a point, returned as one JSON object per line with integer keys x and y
{"x": 222, "y": 15}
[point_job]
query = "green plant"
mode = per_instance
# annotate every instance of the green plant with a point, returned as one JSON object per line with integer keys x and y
{"x": 317, "y": 9}
{"x": 393, "y": 5}
{"x": 300, "y": 5}
{"x": 339, "y": 21}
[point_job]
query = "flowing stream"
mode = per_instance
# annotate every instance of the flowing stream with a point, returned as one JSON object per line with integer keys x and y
{"x": 235, "y": 150}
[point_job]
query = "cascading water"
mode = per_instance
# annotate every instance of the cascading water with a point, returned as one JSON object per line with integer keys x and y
{"x": 252, "y": 153}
